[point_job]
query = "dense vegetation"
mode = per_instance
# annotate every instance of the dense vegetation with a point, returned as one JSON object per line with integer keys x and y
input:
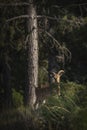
{"x": 62, "y": 32}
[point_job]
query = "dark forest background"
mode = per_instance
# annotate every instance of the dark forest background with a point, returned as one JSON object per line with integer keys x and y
{"x": 62, "y": 43}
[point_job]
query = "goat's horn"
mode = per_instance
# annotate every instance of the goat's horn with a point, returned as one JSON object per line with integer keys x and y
{"x": 60, "y": 72}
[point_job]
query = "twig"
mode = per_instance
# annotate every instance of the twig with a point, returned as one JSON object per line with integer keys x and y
{"x": 72, "y": 5}
{"x": 15, "y": 4}
{"x": 79, "y": 4}
{"x": 60, "y": 108}
{"x": 18, "y": 17}
{"x": 56, "y": 6}
{"x": 69, "y": 55}
{"x": 26, "y": 41}
{"x": 81, "y": 10}
{"x": 64, "y": 48}
{"x": 53, "y": 38}
{"x": 48, "y": 17}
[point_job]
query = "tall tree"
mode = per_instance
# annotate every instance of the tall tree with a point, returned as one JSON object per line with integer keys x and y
{"x": 32, "y": 46}
{"x": 32, "y": 55}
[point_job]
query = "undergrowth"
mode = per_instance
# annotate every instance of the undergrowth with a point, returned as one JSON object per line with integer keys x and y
{"x": 59, "y": 113}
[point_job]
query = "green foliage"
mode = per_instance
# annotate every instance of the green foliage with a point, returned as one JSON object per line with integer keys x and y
{"x": 17, "y": 98}
{"x": 64, "y": 111}
{"x": 80, "y": 120}
{"x": 70, "y": 22}
{"x": 43, "y": 75}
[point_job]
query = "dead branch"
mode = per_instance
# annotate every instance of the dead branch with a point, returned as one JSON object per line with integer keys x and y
{"x": 15, "y": 4}
{"x": 67, "y": 53}
{"x": 81, "y": 10}
{"x": 26, "y": 41}
{"x": 48, "y": 17}
{"x": 77, "y": 4}
{"x": 38, "y": 16}
{"x": 53, "y": 38}
{"x": 27, "y": 16}
{"x": 71, "y": 5}
{"x": 18, "y": 17}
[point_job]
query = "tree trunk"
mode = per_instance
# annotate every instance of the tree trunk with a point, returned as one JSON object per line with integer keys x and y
{"x": 32, "y": 55}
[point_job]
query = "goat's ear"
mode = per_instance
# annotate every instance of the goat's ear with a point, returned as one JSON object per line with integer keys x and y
{"x": 54, "y": 73}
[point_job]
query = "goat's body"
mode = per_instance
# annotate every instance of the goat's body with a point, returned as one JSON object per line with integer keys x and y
{"x": 43, "y": 94}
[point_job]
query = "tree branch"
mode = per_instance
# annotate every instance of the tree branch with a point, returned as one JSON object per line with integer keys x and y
{"x": 64, "y": 48}
{"x": 18, "y": 17}
{"x": 15, "y": 4}
{"x": 74, "y": 5}
{"x": 27, "y": 16}
{"x": 67, "y": 53}
{"x": 81, "y": 10}
{"x": 38, "y": 16}
{"x": 56, "y": 6}
{"x": 53, "y": 38}
{"x": 48, "y": 17}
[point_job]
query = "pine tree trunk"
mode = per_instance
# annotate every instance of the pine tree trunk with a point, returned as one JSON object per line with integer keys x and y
{"x": 32, "y": 57}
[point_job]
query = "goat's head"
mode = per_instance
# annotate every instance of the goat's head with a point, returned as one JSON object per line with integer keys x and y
{"x": 58, "y": 75}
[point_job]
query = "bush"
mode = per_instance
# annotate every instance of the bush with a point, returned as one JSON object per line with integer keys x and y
{"x": 17, "y": 98}
{"x": 64, "y": 112}
{"x": 43, "y": 75}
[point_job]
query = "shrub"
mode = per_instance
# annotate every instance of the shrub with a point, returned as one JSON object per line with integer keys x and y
{"x": 17, "y": 98}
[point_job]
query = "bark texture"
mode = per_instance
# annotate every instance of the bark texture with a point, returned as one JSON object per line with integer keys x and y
{"x": 32, "y": 56}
